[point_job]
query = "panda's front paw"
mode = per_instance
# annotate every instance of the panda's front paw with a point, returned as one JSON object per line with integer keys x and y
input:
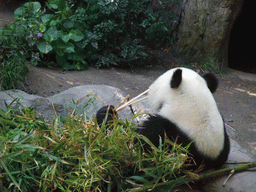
{"x": 102, "y": 112}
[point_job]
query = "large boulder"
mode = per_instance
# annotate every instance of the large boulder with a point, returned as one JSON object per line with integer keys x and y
{"x": 86, "y": 100}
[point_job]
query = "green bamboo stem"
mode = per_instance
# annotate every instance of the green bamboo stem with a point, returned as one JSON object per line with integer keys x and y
{"x": 183, "y": 180}
{"x": 8, "y": 122}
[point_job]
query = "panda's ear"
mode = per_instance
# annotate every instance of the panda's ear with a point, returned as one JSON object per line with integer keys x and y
{"x": 212, "y": 81}
{"x": 176, "y": 78}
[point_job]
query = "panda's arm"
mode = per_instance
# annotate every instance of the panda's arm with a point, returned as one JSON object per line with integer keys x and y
{"x": 154, "y": 128}
{"x": 106, "y": 110}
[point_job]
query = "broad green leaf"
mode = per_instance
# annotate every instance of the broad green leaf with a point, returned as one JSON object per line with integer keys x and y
{"x": 54, "y": 22}
{"x": 47, "y": 17}
{"x": 76, "y": 35}
{"x": 70, "y": 48}
{"x": 65, "y": 38}
{"x": 19, "y": 11}
{"x": 51, "y": 34}
{"x": 60, "y": 44}
{"x": 34, "y": 5}
{"x": 53, "y": 6}
{"x": 69, "y": 24}
{"x": 59, "y": 52}
{"x": 44, "y": 47}
{"x": 60, "y": 33}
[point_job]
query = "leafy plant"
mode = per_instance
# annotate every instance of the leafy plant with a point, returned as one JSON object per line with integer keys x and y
{"x": 209, "y": 65}
{"x": 76, "y": 155}
{"x": 12, "y": 71}
{"x": 75, "y": 34}
{"x": 81, "y": 33}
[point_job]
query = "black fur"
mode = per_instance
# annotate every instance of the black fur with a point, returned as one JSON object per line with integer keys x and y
{"x": 157, "y": 125}
{"x": 212, "y": 81}
{"x": 176, "y": 78}
{"x": 101, "y": 114}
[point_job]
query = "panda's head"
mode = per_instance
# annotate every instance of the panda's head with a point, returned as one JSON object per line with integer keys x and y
{"x": 182, "y": 90}
{"x": 185, "y": 98}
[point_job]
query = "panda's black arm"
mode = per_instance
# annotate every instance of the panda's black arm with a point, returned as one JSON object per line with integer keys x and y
{"x": 153, "y": 128}
{"x": 101, "y": 114}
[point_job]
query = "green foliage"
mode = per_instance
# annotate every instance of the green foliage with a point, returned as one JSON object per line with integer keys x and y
{"x": 214, "y": 66}
{"x": 209, "y": 65}
{"x": 85, "y": 32}
{"x": 12, "y": 71}
{"x": 76, "y": 155}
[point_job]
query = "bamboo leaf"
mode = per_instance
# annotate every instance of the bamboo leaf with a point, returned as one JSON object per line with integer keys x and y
{"x": 23, "y": 140}
{"x": 59, "y": 146}
{"x": 9, "y": 174}
{"x": 54, "y": 158}
{"x": 30, "y": 147}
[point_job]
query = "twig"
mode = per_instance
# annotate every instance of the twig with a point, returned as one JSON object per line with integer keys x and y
{"x": 231, "y": 173}
{"x": 132, "y": 101}
{"x": 123, "y": 100}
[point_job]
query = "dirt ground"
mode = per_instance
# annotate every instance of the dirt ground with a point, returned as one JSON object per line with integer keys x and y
{"x": 236, "y": 95}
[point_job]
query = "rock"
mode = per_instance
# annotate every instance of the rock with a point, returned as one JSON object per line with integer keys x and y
{"x": 89, "y": 98}
{"x": 205, "y": 27}
{"x": 86, "y": 100}
{"x": 239, "y": 182}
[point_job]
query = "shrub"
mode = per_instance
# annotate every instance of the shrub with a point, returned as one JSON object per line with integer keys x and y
{"x": 89, "y": 32}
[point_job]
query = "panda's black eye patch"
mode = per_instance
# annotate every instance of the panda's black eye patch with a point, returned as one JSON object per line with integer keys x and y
{"x": 176, "y": 78}
{"x": 160, "y": 106}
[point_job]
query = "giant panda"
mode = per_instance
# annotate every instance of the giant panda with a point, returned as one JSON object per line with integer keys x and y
{"x": 186, "y": 112}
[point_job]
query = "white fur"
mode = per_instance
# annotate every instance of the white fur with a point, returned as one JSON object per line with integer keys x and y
{"x": 192, "y": 107}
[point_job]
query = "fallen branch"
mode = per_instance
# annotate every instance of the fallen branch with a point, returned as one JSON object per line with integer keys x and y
{"x": 184, "y": 180}
{"x": 132, "y": 101}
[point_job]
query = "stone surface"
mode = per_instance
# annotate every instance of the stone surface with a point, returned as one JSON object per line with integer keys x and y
{"x": 85, "y": 99}
{"x": 239, "y": 182}
{"x": 89, "y": 98}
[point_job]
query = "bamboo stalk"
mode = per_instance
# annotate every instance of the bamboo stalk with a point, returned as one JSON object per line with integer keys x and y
{"x": 8, "y": 122}
{"x": 132, "y": 101}
{"x": 123, "y": 100}
{"x": 184, "y": 180}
